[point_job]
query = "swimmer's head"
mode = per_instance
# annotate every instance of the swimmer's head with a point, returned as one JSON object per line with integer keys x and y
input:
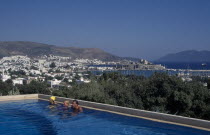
{"x": 52, "y": 98}
{"x": 66, "y": 103}
{"x": 75, "y": 103}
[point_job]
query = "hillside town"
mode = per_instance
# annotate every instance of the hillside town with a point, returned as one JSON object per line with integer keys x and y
{"x": 61, "y": 71}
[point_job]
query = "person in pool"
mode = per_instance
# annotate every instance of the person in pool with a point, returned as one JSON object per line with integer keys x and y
{"x": 52, "y": 103}
{"x": 52, "y": 100}
{"x": 66, "y": 105}
{"x": 75, "y": 107}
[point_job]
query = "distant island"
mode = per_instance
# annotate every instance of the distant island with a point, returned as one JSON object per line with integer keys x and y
{"x": 188, "y": 56}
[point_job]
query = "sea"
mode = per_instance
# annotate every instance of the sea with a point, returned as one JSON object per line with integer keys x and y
{"x": 186, "y": 65}
{"x": 175, "y": 68}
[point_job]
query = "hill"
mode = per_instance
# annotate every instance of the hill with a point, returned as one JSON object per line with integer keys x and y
{"x": 186, "y": 56}
{"x": 33, "y": 49}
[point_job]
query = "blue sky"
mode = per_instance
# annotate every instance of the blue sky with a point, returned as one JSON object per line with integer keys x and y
{"x": 145, "y": 29}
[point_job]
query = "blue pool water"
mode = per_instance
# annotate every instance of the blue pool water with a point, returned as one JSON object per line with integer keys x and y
{"x": 33, "y": 117}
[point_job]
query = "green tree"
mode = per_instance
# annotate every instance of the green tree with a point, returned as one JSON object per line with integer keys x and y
{"x": 52, "y": 65}
{"x": 34, "y": 87}
{"x": 5, "y": 87}
{"x": 65, "y": 80}
{"x": 34, "y": 68}
{"x": 58, "y": 77}
{"x": 208, "y": 84}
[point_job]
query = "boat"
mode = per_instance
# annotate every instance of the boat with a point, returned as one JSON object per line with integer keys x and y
{"x": 204, "y": 64}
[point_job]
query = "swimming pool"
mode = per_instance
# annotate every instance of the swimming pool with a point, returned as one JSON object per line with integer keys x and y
{"x": 33, "y": 117}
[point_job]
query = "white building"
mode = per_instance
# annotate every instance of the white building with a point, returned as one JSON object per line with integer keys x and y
{"x": 54, "y": 82}
{"x": 5, "y": 77}
{"x": 18, "y": 81}
{"x": 35, "y": 72}
{"x": 82, "y": 80}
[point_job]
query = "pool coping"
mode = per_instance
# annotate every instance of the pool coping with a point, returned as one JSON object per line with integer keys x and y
{"x": 143, "y": 114}
{"x": 18, "y": 97}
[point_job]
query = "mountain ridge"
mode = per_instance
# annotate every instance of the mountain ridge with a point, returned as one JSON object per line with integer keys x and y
{"x": 186, "y": 56}
{"x": 34, "y": 49}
